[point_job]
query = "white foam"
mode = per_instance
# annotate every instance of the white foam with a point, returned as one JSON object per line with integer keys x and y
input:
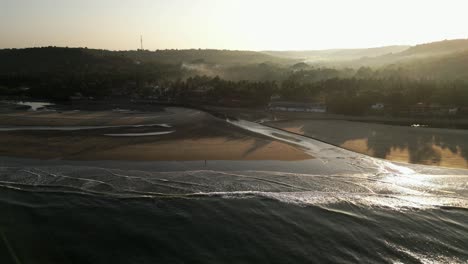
{"x": 323, "y": 151}
{"x": 316, "y": 198}
{"x": 140, "y": 134}
{"x": 74, "y": 128}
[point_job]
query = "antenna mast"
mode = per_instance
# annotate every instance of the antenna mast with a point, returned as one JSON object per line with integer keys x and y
{"x": 141, "y": 41}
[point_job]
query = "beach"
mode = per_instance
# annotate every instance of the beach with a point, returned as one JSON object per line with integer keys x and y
{"x": 170, "y": 134}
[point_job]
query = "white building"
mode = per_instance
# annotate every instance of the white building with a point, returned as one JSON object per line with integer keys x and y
{"x": 378, "y": 106}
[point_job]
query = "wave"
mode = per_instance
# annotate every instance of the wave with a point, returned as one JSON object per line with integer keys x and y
{"x": 140, "y": 134}
{"x": 397, "y": 192}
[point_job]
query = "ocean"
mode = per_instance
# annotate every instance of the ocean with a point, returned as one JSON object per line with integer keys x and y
{"x": 80, "y": 213}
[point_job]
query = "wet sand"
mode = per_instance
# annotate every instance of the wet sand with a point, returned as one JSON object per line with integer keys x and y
{"x": 428, "y": 146}
{"x": 194, "y": 135}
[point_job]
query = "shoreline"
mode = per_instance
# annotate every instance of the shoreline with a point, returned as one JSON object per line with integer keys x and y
{"x": 204, "y": 134}
{"x": 251, "y": 114}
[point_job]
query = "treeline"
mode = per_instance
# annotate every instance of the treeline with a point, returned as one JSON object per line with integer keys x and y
{"x": 356, "y": 96}
{"x": 60, "y": 73}
{"x": 216, "y": 91}
{"x": 353, "y": 96}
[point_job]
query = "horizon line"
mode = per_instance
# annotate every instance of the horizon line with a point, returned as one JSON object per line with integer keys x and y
{"x": 221, "y": 49}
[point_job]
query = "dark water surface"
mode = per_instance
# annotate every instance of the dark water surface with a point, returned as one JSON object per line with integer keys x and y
{"x": 74, "y": 228}
{"x": 84, "y": 214}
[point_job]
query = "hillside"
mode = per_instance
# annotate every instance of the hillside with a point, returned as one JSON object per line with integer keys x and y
{"x": 54, "y": 59}
{"x": 314, "y": 56}
{"x": 48, "y": 60}
{"x": 445, "y": 60}
{"x": 375, "y": 57}
{"x": 453, "y": 66}
{"x": 418, "y": 52}
{"x": 437, "y": 48}
{"x": 223, "y": 57}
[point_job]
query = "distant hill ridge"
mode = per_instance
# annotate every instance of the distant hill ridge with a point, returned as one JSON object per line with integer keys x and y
{"x": 338, "y": 54}
{"x": 439, "y": 47}
{"x": 209, "y": 56}
{"x": 418, "y": 52}
{"x": 371, "y": 56}
{"x": 375, "y": 56}
{"x": 446, "y": 60}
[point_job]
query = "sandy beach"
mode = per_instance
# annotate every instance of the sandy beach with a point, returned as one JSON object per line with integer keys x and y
{"x": 172, "y": 134}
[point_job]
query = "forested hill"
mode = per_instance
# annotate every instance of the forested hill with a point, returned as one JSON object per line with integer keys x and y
{"x": 376, "y": 57}
{"x": 453, "y": 66}
{"x": 49, "y": 60}
{"x": 222, "y": 57}
{"x": 444, "y": 60}
{"x": 418, "y": 52}
{"x": 437, "y": 48}
{"x": 163, "y": 64}
{"x": 243, "y": 76}
{"x": 61, "y": 72}
{"x": 55, "y": 58}
{"x": 314, "y": 56}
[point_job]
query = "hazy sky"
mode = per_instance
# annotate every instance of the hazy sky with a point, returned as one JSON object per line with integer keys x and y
{"x": 230, "y": 24}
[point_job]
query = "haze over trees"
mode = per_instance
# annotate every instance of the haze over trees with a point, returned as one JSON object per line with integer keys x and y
{"x": 349, "y": 81}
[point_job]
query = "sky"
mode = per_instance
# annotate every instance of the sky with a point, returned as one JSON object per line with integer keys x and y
{"x": 230, "y": 24}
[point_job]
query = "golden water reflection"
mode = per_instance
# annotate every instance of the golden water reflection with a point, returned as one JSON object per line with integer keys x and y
{"x": 430, "y": 154}
{"x": 428, "y": 146}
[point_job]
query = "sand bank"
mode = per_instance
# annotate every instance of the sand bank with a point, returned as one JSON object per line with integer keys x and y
{"x": 117, "y": 135}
